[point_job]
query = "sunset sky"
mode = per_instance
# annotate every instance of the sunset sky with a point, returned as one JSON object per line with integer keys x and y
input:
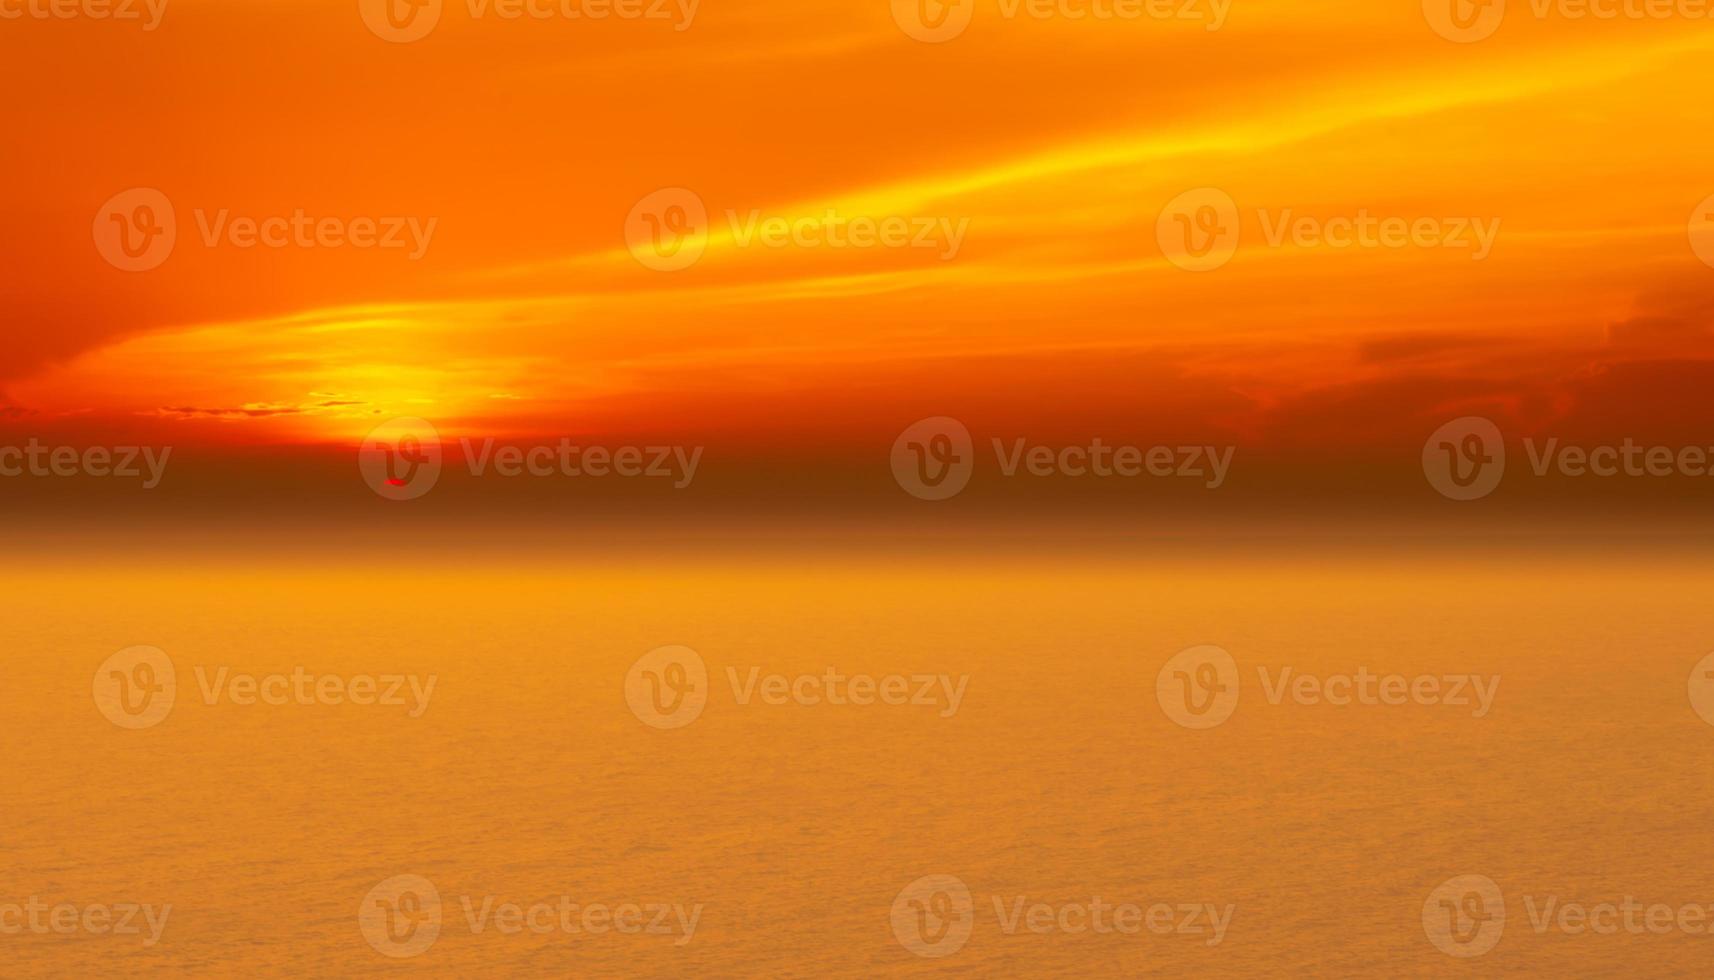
{"x": 329, "y": 328}
{"x": 1054, "y": 143}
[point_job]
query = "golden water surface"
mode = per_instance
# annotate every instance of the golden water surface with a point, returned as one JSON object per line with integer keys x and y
{"x": 1318, "y": 831}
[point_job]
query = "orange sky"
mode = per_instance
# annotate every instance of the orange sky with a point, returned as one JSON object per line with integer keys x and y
{"x": 1053, "y": 143}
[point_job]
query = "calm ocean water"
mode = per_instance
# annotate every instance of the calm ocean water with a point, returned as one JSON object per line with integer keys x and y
{"x": 1029, "y": 762}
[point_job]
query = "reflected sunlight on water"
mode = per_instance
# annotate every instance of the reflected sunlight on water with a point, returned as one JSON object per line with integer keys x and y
{"x": 770, "y": 834}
